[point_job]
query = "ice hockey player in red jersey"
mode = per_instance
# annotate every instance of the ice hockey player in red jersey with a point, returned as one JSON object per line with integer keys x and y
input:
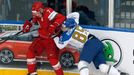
{"x": 48, "y": 20}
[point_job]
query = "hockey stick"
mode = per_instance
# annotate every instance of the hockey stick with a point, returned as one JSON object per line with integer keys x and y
{"x": 4, "y": 39}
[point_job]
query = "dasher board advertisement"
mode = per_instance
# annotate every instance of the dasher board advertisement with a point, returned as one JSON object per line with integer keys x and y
{"x": 120, "y": 47}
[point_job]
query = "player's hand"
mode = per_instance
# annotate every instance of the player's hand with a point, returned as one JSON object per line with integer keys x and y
{"x": 26, "y": 27}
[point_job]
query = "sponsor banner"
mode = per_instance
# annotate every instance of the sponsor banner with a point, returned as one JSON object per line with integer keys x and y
{"x": 119, "y": 48}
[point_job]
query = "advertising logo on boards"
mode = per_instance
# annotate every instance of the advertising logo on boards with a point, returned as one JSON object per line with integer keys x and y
{"x": 112, "y": 52}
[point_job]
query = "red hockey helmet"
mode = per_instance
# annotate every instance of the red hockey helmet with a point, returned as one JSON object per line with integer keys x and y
{"x": 37, "y": 5}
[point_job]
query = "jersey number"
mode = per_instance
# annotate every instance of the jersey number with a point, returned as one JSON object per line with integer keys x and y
{"x": 78, "y": 36}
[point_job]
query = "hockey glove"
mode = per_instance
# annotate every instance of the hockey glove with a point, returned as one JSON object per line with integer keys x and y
{"x": 26, "y": 27}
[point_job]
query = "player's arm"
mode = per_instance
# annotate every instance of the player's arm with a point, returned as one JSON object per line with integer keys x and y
{"x": 56, "y": 19}
{"x": 60, "y": 44}
{"x": 74, "y": 15}
{"x": 28, "y": 24}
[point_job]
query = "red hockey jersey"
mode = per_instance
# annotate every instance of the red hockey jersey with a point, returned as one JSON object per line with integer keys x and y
{"x": 48, "y": 23}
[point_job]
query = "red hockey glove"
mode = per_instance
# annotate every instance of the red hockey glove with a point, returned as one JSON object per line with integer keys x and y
{"x": 26, "y": 27}
{"x": 51, "y": 30}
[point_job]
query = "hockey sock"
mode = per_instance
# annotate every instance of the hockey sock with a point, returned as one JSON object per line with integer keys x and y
{"x": 56, "y": 66}
{"x": 83, "y": 68}
{"x": 31, "y": 64}
{"x": 110, "y": 70}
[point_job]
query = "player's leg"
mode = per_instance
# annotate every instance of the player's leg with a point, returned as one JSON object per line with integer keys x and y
{"x": 86, "y": 56}
{"x": 110, "y": 70}
{"x": 34, "y": 50}
{"x": 31, "y": 63}
{"x": 107, "y": 69}
{"x": 56, "y": 65}
{"x": 83, "y": 67}
{"x": 100, "y": 62}
{"x": 52, "y": 54}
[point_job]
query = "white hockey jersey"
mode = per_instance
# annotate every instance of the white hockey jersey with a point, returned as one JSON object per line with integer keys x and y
{"x": 76, "y": 37}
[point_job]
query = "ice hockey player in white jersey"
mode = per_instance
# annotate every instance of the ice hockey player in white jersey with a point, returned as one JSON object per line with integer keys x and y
{"x": 92, "y": 47}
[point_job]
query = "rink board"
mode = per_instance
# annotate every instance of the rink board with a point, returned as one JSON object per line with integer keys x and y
{"x": 24, "y": 72}
{"x": 120, "y": 43}
{"x": 121, "y": 40}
